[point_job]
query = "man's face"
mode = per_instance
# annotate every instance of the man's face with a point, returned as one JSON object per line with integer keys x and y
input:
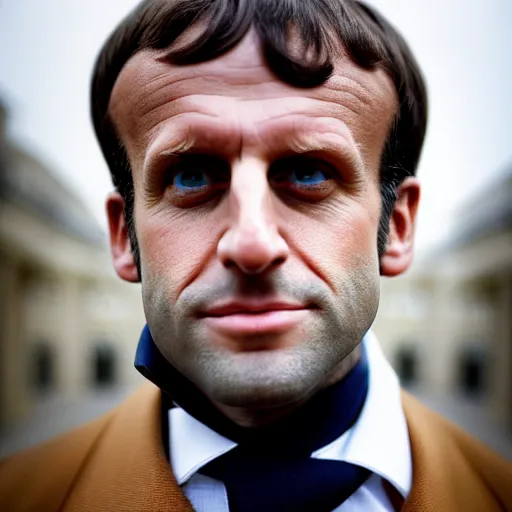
{"x": 256, "y": 211}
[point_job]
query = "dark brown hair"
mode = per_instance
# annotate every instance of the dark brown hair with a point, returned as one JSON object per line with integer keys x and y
{"x": 323, "y": 25}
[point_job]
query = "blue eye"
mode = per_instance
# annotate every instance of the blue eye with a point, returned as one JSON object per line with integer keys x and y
{"x": 308, "y": 176}
{"x": 191, "y": 179}
{"x": 304, "y": 178}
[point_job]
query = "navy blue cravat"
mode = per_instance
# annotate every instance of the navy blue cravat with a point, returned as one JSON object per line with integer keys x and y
{"x": 271, "y": 469}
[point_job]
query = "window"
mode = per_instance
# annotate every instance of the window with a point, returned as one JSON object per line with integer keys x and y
{"x": 472, "y": 363}
{"x": 406, "y": 364}
{"x": 42, "y": 374}
{"x": 104, "y": 366}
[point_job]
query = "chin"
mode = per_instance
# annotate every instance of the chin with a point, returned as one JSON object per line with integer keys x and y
{"x": 259, "y": 397}
{"x": 260, "y": 380}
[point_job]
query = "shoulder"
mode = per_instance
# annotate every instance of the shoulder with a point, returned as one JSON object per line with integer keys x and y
{"x": 40, "y": 478}
{"x": 447, "y": 459}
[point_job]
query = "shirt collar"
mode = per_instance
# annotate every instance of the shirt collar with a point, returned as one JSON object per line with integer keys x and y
{"x": 378, "y": 440}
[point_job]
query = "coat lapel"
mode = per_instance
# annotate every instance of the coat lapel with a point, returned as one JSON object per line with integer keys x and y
{"x": 451, "y": 470}
{"x": 127, "y": 469}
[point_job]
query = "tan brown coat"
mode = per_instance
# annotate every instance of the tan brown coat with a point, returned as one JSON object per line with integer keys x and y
{"x": 117, "y": 463}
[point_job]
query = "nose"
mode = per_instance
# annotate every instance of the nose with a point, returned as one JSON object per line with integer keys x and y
{"x": 252, "y": 243}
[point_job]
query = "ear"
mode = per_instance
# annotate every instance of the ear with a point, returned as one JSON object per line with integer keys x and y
{"x": 120, "y": 246}
{"x": 397, "y": 257}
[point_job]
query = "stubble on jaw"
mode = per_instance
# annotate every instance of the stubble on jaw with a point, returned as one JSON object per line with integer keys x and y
{"x": 256, "y": 387}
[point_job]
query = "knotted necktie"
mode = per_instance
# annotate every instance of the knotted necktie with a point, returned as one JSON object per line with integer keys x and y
{"x": 271, "y": 469}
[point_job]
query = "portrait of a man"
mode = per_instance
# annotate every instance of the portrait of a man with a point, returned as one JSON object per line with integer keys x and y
{"x": 264, "y": 157}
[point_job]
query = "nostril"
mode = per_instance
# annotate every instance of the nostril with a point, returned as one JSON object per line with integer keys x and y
{"x": 229, "y": 263}
{"x": 278, "y": 261}
{"x": 253, "y": 266}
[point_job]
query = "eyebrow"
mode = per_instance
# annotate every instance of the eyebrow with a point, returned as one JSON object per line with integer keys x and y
{"x": 222, "y": 141}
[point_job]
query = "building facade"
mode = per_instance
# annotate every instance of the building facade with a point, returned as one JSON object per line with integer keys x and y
{"x": 447, "y": 324}
{"x": 67, "y": 322}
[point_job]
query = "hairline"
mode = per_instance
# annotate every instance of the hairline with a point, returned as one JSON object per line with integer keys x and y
{"x": 343, "y": 52}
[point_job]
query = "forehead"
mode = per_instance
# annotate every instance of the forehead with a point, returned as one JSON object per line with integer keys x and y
{"x": 237, "y": 92}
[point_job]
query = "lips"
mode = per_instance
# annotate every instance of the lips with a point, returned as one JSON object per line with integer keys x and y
{"x": 236, "y": 308}
{"x": 239, "y": 319}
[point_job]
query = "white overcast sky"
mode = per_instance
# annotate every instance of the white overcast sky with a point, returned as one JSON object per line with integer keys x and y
{"x": 47, "y": 50}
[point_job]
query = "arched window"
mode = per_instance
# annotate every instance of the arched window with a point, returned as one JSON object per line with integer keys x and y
{"x": 406, "y": 364}
{"x": 472, "y": 365}
{"x": 104, "y": 365}
{"x": 42, "y": 374}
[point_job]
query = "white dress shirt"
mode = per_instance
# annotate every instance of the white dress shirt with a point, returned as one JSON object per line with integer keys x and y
{"x": 378, "y": 441}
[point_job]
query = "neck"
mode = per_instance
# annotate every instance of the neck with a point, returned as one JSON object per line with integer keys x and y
{"x": 337, "y": 397}
{"x": 262, "y": 417}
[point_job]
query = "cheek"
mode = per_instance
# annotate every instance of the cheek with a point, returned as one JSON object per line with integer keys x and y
{"x": 340, "y": 243}
{"x": 173, "y": 249}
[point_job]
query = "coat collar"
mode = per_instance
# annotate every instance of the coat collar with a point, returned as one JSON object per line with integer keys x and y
{"x": 127, "y": 468}
{"x": 452, "y": 470}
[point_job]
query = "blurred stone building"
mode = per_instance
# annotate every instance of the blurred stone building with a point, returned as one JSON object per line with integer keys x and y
{"x": 67, "y": 323}
{"x": 447, "y": 324}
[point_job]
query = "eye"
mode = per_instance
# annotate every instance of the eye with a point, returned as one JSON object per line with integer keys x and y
{"x": 304, "y": 177}
{"x": 196, "y": 179}
{"x": 191, "y": 179}
{"x": 301, "y": 172}
{"x": 308, "y": 175}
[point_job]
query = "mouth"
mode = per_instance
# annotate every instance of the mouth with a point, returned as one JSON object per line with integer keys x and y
{"x": 249, "y": 319}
